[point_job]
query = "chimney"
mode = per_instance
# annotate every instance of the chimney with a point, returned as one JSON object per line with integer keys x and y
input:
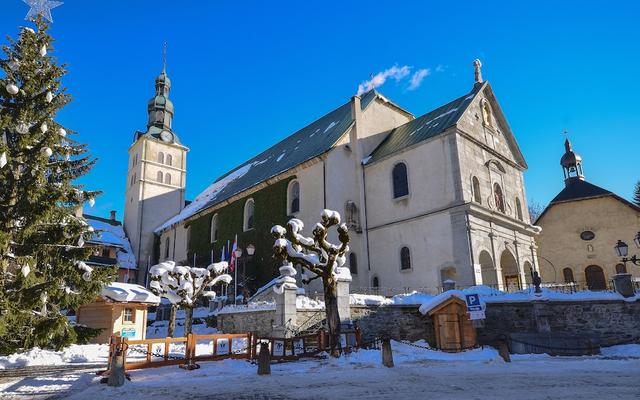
{"x": 113, "y": 215}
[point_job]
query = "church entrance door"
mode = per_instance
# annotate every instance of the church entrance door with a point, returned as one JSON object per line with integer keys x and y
{"x": 595, "y": 278}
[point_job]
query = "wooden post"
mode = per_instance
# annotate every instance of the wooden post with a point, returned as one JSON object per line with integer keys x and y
{"x": 116, "y": 370}
{"x": 387, "y": 354}
{"x": 264, "y": 360}
{"x": 503, "y": 350}
{"x": 358, "y": 337}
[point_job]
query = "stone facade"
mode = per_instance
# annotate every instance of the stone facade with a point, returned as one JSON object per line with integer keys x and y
{"x": 562, "y": 247}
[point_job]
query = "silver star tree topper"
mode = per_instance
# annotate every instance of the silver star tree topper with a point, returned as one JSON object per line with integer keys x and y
{"x": 41, "y": 7}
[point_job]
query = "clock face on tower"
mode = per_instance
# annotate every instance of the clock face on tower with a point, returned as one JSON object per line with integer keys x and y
{"x": 166, "y": 136}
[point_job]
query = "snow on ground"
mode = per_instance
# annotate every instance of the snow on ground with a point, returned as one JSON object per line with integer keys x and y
{"x": 476, "y": 374}
{"x": 74, "y": 354}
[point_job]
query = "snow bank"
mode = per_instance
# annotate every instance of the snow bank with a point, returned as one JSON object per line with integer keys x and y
{"x": 305, "y": 303}
{"x": 74, "y": 354}
{"x": 368, "y": 300}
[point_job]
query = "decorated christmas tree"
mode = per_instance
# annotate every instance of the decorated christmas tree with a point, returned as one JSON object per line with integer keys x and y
{"x": 42, "y": 234}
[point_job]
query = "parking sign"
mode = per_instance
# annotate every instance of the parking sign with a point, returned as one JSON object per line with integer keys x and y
{"x": 473, "y": 302}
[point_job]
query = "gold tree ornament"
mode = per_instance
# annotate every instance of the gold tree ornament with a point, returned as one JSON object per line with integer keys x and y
{"x": 41, "y": 7}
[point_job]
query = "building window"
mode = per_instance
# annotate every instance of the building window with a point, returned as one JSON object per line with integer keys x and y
{"x": 353, "y": 263}
{"x": 159, "y": 177}
{"x": 169, "y": 159}
{"x": 249, "y": 208}
{"x": 127, "y": 315}
{"x": 294, "y": 197}
{"x": 375, "y": 282}
{"x": 161, "y": 157}
{"x": 106, "y": 253}
{"x": 475, "y": 186}
{"x": 405, "y": 258}
{"x": 166, "y": 248}
{"x": 400, "y": 181}
{"x": 214, "y": 228}
{"x": 133, "y": 180}
{"x": 568, "y": 275}
{"x": 498, "y": 197}
{"x": 587, "y": 235}
{"x": 519, "y": 209}
{"x": 621, "y": 269}
{"x": 167, "y": 178}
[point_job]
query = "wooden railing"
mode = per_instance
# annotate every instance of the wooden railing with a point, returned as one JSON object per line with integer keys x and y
{"x": 153, "y": 353}
{"x": 158, "y": 353}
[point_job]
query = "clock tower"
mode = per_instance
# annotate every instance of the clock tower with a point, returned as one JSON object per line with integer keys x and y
{"x": 156, "y": 177}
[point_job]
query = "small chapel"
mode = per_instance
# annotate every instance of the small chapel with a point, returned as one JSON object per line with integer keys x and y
{"x": 429, "y": 197}
{"x": 580, "y": 228}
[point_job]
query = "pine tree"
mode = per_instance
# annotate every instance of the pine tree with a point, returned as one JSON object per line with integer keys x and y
{"x": 636, "y": 194}
{"x": 41, "y": 237}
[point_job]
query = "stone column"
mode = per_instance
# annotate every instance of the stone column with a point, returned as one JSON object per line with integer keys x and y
{"x": 344, "y": 308}
{"x": 286, "y": 310}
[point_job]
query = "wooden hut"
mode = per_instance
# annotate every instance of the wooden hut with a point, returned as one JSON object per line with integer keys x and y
{"x": 454, "y": 330}
{"x": 121, "y": 308}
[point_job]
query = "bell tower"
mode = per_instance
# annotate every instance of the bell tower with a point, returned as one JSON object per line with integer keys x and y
{"x": 571, "y": 163}
{"x": 156, "y": 177}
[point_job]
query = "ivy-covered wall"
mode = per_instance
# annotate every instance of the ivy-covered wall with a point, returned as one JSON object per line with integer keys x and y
{"x": 270, "y": 209}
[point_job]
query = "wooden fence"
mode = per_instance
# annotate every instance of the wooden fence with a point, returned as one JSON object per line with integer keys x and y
{"x": 153, "y": 353}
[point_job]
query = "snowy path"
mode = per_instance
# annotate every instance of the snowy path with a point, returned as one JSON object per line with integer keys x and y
{"x": 418, "y": 374}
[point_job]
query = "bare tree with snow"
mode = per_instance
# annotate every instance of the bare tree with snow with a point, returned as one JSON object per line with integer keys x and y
{"x": 324, "y": 260}
{"x": 183, "y": 285}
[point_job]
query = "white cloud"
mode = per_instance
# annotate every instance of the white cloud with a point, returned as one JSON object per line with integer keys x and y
{"x": 417, "y": 77}
{"x": 395, "y": 72}
{"x": 440, "y": 68}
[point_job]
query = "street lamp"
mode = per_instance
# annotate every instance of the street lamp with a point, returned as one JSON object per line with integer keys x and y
{"x": 250, "y": 251}
{"x": 622, "y": 250}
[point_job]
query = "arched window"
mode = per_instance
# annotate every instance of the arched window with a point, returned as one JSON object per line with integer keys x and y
{"x": 167, "y": 178}
{"x": 294, "y": 197}
{"x": 621, "y": 269}
{"x": 159, "y": 177}
{"x": 400, "y": 181}
{"x": 375, "y": 282}
{"x": 166, "y": 248}
{"x": 249, "y": 208}
{"x": 498, "y": 197}
{"x": 567, "y": 273}
{"x": 519, "y": 209}
{"x": 353, "y": 263}
{"x": 169, "y": 159}
{"x": 214, "y": 228}
{"x": 161, "y": 157}
{"x": 405, "y": 258}
{"x": 133, "y": 179}
{"x": 475, "y": 186}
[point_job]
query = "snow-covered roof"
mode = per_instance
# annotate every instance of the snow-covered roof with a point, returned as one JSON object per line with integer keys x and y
{"x": 303, "y": 145}
{"x": 111, "y": 233}
{"x": 129, "y": 293}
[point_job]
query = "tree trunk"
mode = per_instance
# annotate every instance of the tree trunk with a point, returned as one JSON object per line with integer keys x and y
{"x": 172, "y": 321}
{"x": 333, "y": 317}
{"x": 188, "y": 320}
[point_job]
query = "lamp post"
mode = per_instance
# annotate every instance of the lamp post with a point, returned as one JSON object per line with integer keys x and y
{"x": 622, "y": 250}
{"x": 251, "y": 249}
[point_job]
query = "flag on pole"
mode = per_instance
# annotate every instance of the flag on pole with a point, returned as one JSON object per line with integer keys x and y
{"x": 232, "y": 259}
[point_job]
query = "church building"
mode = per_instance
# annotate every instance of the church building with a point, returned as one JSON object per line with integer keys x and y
{"x": 580, "y": 228}
{"x": 427, "y": 199}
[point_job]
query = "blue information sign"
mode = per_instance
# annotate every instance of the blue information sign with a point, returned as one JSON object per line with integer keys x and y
{"x": 473, "y": 302}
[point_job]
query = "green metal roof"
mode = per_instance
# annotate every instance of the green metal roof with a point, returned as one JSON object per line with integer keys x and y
{"x": 303, "y": 145}
{"x": 422, "y": 128}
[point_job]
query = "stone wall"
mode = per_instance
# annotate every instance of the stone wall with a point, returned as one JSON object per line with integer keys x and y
{"x": 395, "y": 321}
{"x": 609, "y": 321}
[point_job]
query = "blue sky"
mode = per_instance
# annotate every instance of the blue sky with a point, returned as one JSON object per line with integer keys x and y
{"x": 247, "y": 73}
